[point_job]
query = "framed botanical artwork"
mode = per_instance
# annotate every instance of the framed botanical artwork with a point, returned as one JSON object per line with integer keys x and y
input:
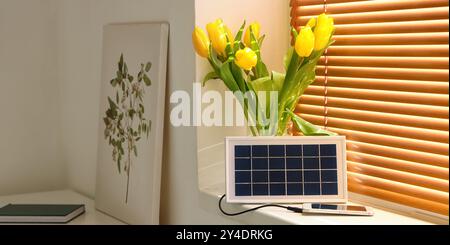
{"x": 131, "y": 121}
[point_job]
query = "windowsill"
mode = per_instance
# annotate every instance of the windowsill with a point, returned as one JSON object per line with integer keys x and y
{"x": 212, "y": 187}
{"x": 210, "y": 197}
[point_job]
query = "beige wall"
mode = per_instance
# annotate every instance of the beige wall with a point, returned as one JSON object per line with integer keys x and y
{"x": 29, "y": 123}
{"x": 273, "y": 15}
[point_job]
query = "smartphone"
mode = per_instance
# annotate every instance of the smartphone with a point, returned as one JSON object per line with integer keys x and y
{"x": 337, "y": 209}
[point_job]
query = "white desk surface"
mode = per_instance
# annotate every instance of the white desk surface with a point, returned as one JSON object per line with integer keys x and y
{"x": 91, "y": 217}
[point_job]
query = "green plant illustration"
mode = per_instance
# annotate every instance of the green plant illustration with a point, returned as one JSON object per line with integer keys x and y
{"x": 125, "y": 121}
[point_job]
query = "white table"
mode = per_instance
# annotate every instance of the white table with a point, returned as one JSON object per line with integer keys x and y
{"x": 91, "y": 217}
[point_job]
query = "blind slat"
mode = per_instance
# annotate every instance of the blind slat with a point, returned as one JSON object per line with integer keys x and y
{"x": 388, "y": 50}
{"x": 386, "y": 118}
{"x": 437, "y": 13}
{"x": 394, "y": 39}
{"x": 400, "y": 199}
{"x": 315, "y": 2}
{"x": 388, "y": 62}
{"x": 380, "y": 95}
{"x": 368, "y": 6}
{"x": 355, "y": 144}
{"x": 394, "y": 27}
{"x": 399, "y": 165}
{"x": 376, "y": 106}
{"x": 376, "y": 135}
{"x": 434, "y": 136}
{"x": 398, "y": 176}
{"x": 409, "y": 190}
{"x": 384, "y": 84}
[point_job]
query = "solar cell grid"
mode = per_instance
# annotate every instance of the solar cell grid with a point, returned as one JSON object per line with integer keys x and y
{"x": 286, "y": 170}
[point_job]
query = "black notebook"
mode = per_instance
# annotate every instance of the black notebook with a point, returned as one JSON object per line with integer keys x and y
{"x": 26, "y": 213}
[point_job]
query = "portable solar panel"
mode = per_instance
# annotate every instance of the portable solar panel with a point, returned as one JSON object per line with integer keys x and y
{"x": 286, "y": 169}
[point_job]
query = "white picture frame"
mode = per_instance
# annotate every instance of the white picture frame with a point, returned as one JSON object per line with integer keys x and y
{"x": 339, "y": 141}
{"x": 139, "y": 43}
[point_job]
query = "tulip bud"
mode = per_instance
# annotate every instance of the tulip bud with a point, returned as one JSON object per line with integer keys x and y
{"x": 201, "y": 42}
{"x": 304, "y": 44}
{"x": 312, "y": 23}
{"x": 323, "y": 31}
{"x": 246, "y": 59}
{"x": 218, "y": 36}
{"x": 256, "y": 28}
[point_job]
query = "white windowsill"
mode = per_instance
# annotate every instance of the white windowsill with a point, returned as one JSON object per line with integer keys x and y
{"x": 211, "y": 169}
{"x": 274, "y": 216}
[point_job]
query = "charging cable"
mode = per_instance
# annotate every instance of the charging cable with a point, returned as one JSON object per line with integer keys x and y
{"x": 293, "y": 209}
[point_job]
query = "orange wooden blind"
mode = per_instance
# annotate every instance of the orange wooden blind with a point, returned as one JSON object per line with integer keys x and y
{"x": 385, "y": 85}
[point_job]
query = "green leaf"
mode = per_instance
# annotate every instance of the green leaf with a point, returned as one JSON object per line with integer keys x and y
{"x": 210, "y": 76}
{"x": 119, "y": 164}
{"x": 288, "y": 58}
{"x": 229, "y": 47}
{"x": 131, "y": 113}
{"x": 112, "y": 105}
{"x": 261, "y": 40}
{"x": 261, "y": 68}
{"x": 119, "y": 75}
{"x": 237, "y": 74}
{"x": 140, "y": 76}
{"x": 308, "y": 129}
{"x": 114, "y": 82}
{"x": 238, "y": 38}
{"x": 125, "y": 70}
{"x": 262, "y": 84}
{"x": 121, "y": 62}
{"x": 227, "y": 77}
{"x": 278, "y": 80}
{"x": 294, "y": 33}
{"x": 147, "y": 80}
{"x": 130, "y": 78}
{"x": 148, "y": 67}
{"x": 215, "y": 62}
{"x": 135, "y": 151}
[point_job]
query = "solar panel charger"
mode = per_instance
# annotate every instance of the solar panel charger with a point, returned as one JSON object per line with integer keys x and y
{"x": 286, "y": 170}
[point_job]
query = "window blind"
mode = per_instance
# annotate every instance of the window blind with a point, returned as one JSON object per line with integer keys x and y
{"x": 385, "y": 85}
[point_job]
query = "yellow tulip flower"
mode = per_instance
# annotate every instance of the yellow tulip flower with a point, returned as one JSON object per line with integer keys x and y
{"x": 256, "y": 28}
{"x": 323, "y": 31}
{"x": 230, "y": 35}
{"x": 312, "y": 23}
{"x": 218, "y": 36}
{"x": 305, "y": 42}
{"x": 201, "y": 42}
{"x": 246, "y": 59}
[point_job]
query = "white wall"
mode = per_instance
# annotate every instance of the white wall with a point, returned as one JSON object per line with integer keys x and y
{"x": 29, "y": 122}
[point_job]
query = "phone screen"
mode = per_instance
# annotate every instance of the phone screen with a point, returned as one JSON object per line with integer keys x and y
{"x": 339, "y": 207}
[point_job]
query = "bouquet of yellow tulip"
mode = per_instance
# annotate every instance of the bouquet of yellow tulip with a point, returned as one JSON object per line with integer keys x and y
{"x": 237, "y": 61}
